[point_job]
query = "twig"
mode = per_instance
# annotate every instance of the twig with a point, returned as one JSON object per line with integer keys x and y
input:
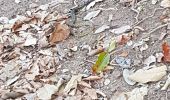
{"x": 136, "y": 11}
{"x": 159, "y": 27}
{"x": 106, "y": 9}
{"x": 138, "y": 22}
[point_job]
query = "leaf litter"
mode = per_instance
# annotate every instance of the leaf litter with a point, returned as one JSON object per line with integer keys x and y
{"x": 38, "y": 65}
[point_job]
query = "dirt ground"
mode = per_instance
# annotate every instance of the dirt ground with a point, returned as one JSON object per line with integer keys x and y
{"x": 82, "y": 34}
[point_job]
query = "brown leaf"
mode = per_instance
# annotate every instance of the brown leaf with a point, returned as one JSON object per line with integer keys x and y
{"x": 124, "y": 40}
{"x": 60, "y": 33}
{"x": 18, "y": 24}
{"x": 166, "y": 52}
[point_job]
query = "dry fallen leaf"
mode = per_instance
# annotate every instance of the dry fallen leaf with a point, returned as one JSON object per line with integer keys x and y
{"x": 150, "y": 75}
{"x": 18, "y": 22}
{"x": 101, "y": 29}
{"x": 72, "y": 84}
{"x": 91, "y": 15}
{"x": 60, "y": 33}
{"x": 46, "y": 92}
{"x": 166, "y": 52}
{"x": 121, "y": 30}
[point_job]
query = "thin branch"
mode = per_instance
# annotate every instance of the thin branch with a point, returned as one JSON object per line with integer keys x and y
{"x": 139, "y": 22}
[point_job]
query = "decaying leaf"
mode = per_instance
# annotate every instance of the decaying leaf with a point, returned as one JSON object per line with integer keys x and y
{"x": 101, "y": 63}
{"x": 135, "y": 94}
{"x": 121, "y": 30}
{"x": 72, "y": 84}
{"x": 166, "y": 52}
{"x": 60, "y": 33}
{"x": 101, "y": 29}
{"x": 46, "y": 92}
{"x": 123, "y": 38}
{"x": 149, "y": 75}
{"x": 91, "y": 15}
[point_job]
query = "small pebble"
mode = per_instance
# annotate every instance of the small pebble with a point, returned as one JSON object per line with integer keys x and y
{"x": 136, "y": 31}
{"x": 106, "y": 82}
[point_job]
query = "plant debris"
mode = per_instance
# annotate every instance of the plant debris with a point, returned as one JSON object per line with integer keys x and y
{"x": 91, "y": 15}
{"x": 61, "y": 32}
{"x": 166, "y": 52}
{"x": 97, "y": 49}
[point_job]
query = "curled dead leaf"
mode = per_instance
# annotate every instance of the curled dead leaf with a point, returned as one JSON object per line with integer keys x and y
{"x": 60, "y": 33}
